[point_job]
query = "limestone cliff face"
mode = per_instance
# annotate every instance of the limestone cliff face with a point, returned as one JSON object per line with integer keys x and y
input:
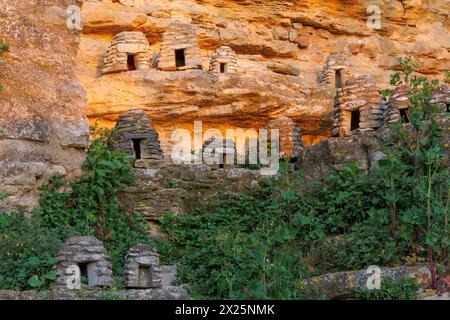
{"x": 281, "y": 46}
{"x": 43, "y": 128}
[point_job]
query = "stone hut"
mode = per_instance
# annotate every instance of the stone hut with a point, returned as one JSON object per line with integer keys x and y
{"x": 135, "y": 136}
{"x": 222, "y": 151}
{"x": 336, "y": 70}
{"x": 128, "y": 51}
{"x": 179, "y": 48}
{"x": 142, "y": 269}
{"x": 89, "y": 256}
{"x": 357, "y": 107}
{"x": 223, "y": 61}
{"x": 442, "y": 99}
{"x": 397, "y": 107}
{"x": 291, "y": 143}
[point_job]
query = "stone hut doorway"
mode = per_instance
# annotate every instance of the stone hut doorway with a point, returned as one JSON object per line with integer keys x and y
{"x": 223, "y": 68}
{"x": 87, "y": 273}
{"x": 131, "y": 62}
{"x": 180, "y": 58}
{"x": 137, "y": 147}
{"x": 145, "y": 277}
{"x": 404, "y": 115}
{"x": 355, "y": 120}
{"x": 339, "y": 78}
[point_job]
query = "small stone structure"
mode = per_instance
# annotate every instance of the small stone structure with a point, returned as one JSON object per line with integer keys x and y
{"x": 397, "y": 107}
{"x": 142, "y": 269}
{"x": 221, "y": 150}
{"x": 128, "y": 51}
{"x": 135, "y": 136}
{"x": 89, "y": 255}
{"x": 336, "y": 70}
{"x": 357, "y": 107}
{"x": 442, "y": 99}
{"x": 291, "y": 143}
{"x": 223, "y": 61}
{"x": 179, "y": 48}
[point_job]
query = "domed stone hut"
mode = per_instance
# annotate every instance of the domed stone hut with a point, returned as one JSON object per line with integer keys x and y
{"x": 89, "y": 256}
{"x": 398, "y": 106}
{"x": 223, "y": 61}
{"x": 135, "y": 136}
{"x": 357, "y": 107}
{"x": 290, "y": 135}
{"x": 142, "y": 269}
{"x": 129, "y": 51}
{"x": 179, "y": 48}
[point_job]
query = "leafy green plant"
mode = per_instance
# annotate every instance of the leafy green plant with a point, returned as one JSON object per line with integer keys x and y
{"x": 416, "y": 170}
{"x": 404, "y": 289}
{"x": 27, "y": 253}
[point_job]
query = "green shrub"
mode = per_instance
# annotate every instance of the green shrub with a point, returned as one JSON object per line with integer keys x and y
{"x": 27, "y": 253}
{"x": 404, "y": 289}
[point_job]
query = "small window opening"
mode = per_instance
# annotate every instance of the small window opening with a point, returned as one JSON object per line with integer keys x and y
{"x": 404, "y": 115}
{"x": 355, "y": 120}
{"x": 338, "y": 79}
{"x": 131, "y": 62}
{"x": 145, "y": 276}
{"x": 223, "y": 68}
{"x": 84, "y": 276}
{"x": 137, "y": 148}
{"x": 180, "y": 58}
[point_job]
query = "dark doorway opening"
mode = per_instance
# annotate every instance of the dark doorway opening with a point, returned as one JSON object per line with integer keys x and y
{"x": 137, "y": 148}
{"x": 180, "y": 58}
{"x": 223, "y": 159}
{"x": 355, "y": 120}
{"x": 84, "y": 275}
{"x": 131, "y": 62}
{"x": 223, "y": 68}
{"x": 145, "y": 277}
{"x": 338, "y": 79}
{"x": 404, "y": 115}
{"x": 448, "y": 107}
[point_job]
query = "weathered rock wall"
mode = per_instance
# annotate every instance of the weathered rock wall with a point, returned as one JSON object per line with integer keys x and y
{"x": 281, "y": 46}
{"x": 43, "y": 128}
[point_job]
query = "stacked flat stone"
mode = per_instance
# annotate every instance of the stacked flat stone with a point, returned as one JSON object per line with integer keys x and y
{"x": 179, "y": 36}
{"x": 84, "y": 250}
{"x": 124, "y": 44}
{"x": 291, "y": 143}
{"x": 335, "y": 61}
{"x": 442, "y": 98}
{"x": 358, "y": 94}
{"x": 224, "y": 55}
{"x": 135, "y": 124}
{"x": 138, "y": 256}
{"x": 397, "y": 101}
